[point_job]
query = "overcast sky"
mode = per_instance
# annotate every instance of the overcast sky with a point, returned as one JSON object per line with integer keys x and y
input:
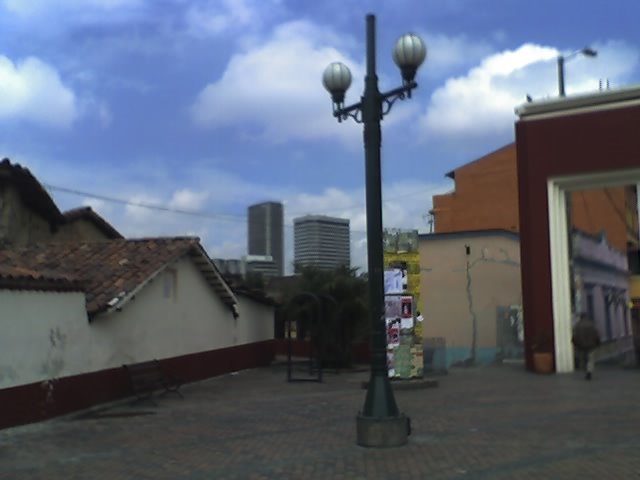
{"x": 211, "y": 105}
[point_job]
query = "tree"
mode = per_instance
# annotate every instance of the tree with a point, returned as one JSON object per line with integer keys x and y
{"x": 254, "y": 280}
{"x": 344, "y": 317}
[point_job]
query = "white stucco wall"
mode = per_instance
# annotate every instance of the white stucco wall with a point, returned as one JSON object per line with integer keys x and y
{"x": 256, "y": 321}
{"x": 157, "y": 324}
{"x": 47, "y": 335}
{"x": 44, "y": 335}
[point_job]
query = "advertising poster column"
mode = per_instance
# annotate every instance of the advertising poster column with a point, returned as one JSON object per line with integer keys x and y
{"x": 402, "y": 296}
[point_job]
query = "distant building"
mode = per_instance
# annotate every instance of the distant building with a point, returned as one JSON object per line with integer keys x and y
{"x": 321, "y": 241}
{"x": 263, "y": 264}
{"x": 240, "y": 267}
{"x": 603, "y": 290}
{"x": 230, "y": 266}
{"x": 266, "y": 232}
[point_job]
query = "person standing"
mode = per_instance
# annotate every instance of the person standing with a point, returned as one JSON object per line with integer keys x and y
{"x": 586, "y": 339}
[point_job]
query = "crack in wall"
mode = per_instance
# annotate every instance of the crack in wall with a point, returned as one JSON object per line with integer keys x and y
{"x": 474, "y": 317}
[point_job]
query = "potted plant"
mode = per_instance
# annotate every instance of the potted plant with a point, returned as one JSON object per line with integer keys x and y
{"x": 543, "y": 353}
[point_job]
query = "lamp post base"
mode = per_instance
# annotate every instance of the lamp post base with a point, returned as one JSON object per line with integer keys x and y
{"x": 383, "y": 432}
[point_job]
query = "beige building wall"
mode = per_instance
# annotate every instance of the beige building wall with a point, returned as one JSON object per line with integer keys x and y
{"x": 456, "y": 287}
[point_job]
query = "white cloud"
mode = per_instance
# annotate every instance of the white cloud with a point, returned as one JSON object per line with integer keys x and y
{"x": 97, "y": 109}
{"x": 189, "y": 200}
{"x": 482, "y": 102}
{"x": 32, "y": 90}
{"x": 223, "y": 231}
{"x": 136, "y": 212}
{"x": 274, "y": 90}
{"x": 445, "y": 52}
{"x": 405, "y": 205}
{"x": 104, "y": 114}
{"x": 27, "y": 8}
{"x": 228, "y": 248}
{"x": 213, "y": 18}
{"x": 332, "y": 201}
{"x": 100, "y": 206}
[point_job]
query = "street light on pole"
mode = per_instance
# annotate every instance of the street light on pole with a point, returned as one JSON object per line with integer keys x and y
{"x": 379, "y": 424}
{"x": 586, "y": 51}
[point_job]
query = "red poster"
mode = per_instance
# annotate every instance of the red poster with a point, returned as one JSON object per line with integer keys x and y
{"x": 393, "y": 332}
{"x": 407, "y": 307}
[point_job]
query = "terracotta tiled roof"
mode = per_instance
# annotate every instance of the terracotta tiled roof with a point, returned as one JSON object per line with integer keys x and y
{"x": 112, "y": 271}
{"x": 88, "y": 213}
{"x": 21, "y": 278}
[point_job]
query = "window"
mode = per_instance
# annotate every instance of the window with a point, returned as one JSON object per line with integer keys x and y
{"x": 607, "y": 316}
{"x": 170, "y": 284}
{"x": 626, "y": 321}
{"x": 590, "y": 309}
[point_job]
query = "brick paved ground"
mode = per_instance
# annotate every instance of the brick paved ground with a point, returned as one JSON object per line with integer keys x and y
{"x": 493, "y": 423}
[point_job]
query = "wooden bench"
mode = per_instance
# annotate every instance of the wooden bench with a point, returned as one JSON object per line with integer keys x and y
{"x": 148, "y": 377}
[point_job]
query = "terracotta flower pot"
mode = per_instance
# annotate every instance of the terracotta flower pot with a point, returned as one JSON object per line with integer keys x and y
{"x": 543, "y": 362}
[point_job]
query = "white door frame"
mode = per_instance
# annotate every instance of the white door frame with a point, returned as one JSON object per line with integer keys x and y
{"x": 559, "y": 251}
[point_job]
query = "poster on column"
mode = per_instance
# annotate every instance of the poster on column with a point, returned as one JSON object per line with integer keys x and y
{"x": 393, "y": 306}
{"x": 402, "y": 298}
{"x": 393, "y": 332}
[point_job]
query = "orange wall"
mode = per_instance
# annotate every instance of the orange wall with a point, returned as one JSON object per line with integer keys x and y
{"x": 603, "y": 209}
{"x": 486, "y": 197}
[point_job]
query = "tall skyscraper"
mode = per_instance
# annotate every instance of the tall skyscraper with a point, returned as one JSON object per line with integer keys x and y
{"x": 265, "y": 232}
{"x": 321, "y": 241}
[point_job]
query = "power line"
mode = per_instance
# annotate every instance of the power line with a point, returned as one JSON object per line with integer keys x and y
{"x": 207, "y": 215}
{"x": 621, "y": 214}
{"x": 361, "y": 205}
{"x": 150, "y": 206}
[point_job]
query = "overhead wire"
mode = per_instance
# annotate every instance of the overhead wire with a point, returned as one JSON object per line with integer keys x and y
{"x": 193, "y": 213}
{"x": 620, "y": 214}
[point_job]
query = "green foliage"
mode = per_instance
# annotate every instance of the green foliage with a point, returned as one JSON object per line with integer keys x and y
{"x": 254, "y": 280}
{"x": 345, "y": 322}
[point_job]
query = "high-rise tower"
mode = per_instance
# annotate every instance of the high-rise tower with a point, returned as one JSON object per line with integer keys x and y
{"x": 265, "y": 232}
{"x": 321, "y": 241}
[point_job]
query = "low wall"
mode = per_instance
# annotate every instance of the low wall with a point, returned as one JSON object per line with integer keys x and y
{"x": 41, "y": 400}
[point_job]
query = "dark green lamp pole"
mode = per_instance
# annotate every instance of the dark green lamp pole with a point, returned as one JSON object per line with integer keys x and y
{"x": 379, "y": 424}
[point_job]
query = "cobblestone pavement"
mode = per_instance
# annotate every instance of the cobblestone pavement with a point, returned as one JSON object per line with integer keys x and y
{"x": 492, "y": 422}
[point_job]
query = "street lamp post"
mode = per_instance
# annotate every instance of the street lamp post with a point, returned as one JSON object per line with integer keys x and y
{"x": 586, "y": 51}
{"x": 379, "y": 423}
